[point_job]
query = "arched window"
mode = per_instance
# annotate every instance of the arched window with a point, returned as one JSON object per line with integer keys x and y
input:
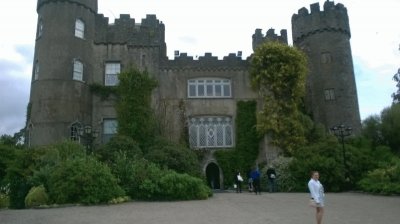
{"x": 78, "y": 70}
{"x": 74, "y": 131}
{"x": 210, "y": 132}
{"x": 209, "y": 88}
{"x": 79, "y": 28}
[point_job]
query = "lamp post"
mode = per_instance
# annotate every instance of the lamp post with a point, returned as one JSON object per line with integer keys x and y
{"x": 341, "y": 131}
{"x": 88, "y": 135}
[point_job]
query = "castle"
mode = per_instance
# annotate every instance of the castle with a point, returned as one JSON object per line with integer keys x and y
{"x": 76, "y": 47}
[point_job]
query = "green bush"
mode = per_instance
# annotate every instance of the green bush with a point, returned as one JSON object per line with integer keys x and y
{"x": 147, "y": 181}
{"x": 174, "y": 156}
{"x": 109, "y": 152}
{"x": 326, "y": 157}
{"x": 36, "y": 196}
{"x": 4, "y": 201}
{"x": 176, "y": 186}
{"x": 285, "y": 182}
{"x": 384, "y": 180}
{"x": 83, "y": 180}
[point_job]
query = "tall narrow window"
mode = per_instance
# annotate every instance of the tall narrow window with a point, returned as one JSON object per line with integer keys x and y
{"x": 40, "y": 28}
{"x": 78, "y": 70}
{"x": 210, "y": 132}
{"x": 79, "y": 28}
{"x": 36, "y": 71}
{"x": 74, "y": 131}
{"x": 109, "y": 129}
{"x": 111, "y": 76}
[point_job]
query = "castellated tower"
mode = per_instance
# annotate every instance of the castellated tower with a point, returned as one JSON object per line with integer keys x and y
{"x": 324, "y": 36}
{"x": 62, "y": 69}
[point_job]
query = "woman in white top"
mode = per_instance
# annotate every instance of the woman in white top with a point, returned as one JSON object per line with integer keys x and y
{"x": 317, "y": 193}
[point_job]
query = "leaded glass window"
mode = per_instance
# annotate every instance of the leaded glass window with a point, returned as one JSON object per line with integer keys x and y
{"x": 210, "y": 132}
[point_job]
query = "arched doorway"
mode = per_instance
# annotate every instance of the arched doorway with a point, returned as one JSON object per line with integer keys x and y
{"x": 212, "y": 174}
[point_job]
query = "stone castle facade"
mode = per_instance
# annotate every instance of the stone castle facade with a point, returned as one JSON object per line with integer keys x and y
{"x": 76, "y": 47}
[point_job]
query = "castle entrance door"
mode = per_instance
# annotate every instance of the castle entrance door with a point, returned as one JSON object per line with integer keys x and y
{"x": 212, "y": 174}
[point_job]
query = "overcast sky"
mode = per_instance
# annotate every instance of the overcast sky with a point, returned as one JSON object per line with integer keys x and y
{"x": 217, "y": 26}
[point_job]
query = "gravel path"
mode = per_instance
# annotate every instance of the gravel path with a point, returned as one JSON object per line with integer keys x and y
{"x": 222, "y": 208}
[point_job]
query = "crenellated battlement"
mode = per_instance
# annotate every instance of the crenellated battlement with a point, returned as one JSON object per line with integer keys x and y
{"x": 258, "y": 37}
{"x": 333, "y": 18}
{"x": 89, "y": 4}
{"x": 208, "y": 61}
{"x": 125, "y": 30}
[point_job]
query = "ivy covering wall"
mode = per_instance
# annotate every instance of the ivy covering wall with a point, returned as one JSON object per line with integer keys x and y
{"x": 243, "y": 157}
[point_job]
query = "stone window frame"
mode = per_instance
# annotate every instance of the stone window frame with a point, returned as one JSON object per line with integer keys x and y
{"x": 211, "y": 132}
{"x": 329, "y": 94}
{"x": 79, "y": 28}
{"x": 111, "y": 71}
{"x": 109, "y": 128}
{"x": 36, "y": 71}
{"x": 209, "y": 88}
{"x": 74, "y": 132}
{"x": 77, "y": 73}
{"x": 40, "y": 28}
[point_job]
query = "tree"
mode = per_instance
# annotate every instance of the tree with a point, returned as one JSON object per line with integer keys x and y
{"x": 396, "y": 95}
{"x": 278, "y": 74}
{"x": 371, "y": 129}
{"x": 391, "y": 126}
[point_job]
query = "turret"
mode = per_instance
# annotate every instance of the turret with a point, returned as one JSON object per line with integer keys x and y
{"x": 324, "y": 36}
{"x": 63, "y": 68}
{"x": 258, "y": 37}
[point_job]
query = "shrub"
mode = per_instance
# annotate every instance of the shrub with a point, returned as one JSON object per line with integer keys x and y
{"x": 83, "y": 180}
{"x": 174, "y": 156}
{"x": 119, "y": 144}
{"x": 285, "y": 181}
{"x": 4, "y": 201}
{"x": 384, "y": 180}
{"x": 176, "y": 186}
{"x": 36, "y": 196}
{"x": 149, "y": 182}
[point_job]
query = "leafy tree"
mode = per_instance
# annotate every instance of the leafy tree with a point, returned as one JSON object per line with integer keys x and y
{"x": 391, "y": 126}
{"x": 135, "y": 116}
{"x": 371, "y": 129}
{"x": 396, "y": 95}
{"x": 278, "y": 74}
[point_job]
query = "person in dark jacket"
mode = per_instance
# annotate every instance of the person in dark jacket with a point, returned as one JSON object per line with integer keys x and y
{"x": 255, "y": 175}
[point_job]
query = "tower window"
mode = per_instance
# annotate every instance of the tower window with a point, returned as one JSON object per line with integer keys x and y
{"x": 329, "y": 94}
{"x": 210, "y": 132}
{"x": 111, "y": 76}
{"x": 36, "y": 71}
{"x": 40, "y": 28}
{"x": 78, "y": 70}
{"x": 209, "y": 88}
{"x": 79, "y": 28}
{"x": 326, "y": 58}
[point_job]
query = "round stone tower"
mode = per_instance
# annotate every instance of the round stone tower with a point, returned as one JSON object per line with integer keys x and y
{"x": 324, "y": 36}
{"x": 62, "y": 70}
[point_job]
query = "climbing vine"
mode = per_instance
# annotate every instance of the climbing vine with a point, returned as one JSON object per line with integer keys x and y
{"x": 278, "y": 74}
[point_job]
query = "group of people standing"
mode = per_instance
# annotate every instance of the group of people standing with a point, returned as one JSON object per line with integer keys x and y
{"x": 254, "y": 181}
